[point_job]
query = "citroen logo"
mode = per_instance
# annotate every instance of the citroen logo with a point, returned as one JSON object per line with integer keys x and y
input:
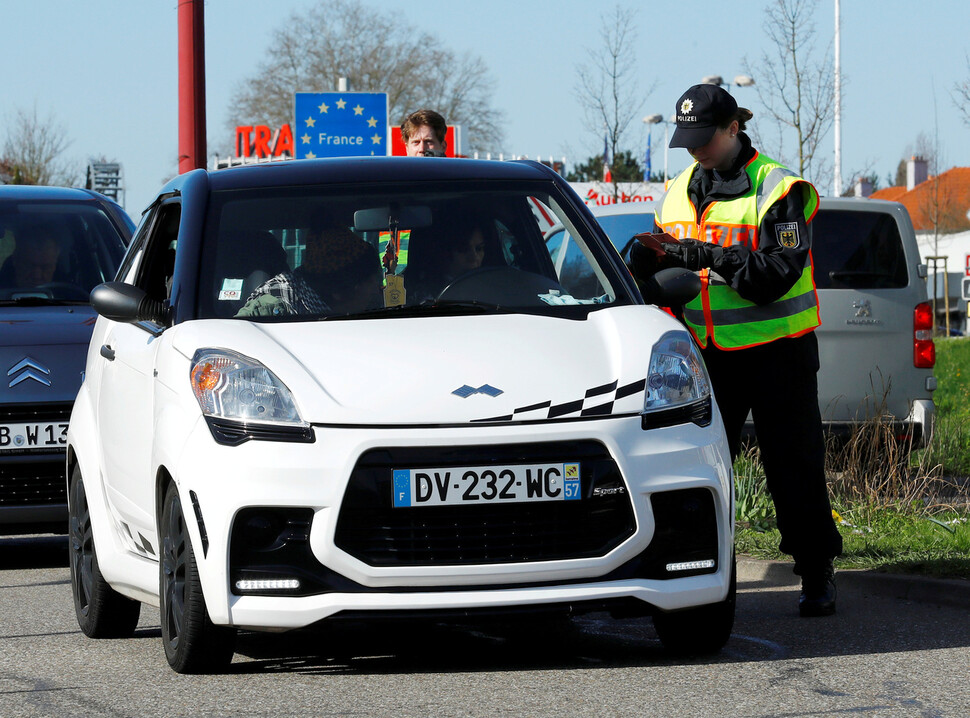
{"x": 863, "y": 308}
{"x": 28, "y": 368}
{"x": 466, "y": 391}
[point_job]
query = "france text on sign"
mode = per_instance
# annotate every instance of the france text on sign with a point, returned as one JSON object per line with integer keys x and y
{"x": 340, "y": 124}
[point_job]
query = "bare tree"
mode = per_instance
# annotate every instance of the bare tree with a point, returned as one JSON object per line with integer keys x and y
{"x": 377, "y": 53}
{"x": 607, "y": 87}
{"x": 796, "y": 86}
{"x": 961, "y": 96}
{"x": 33, "y": 151}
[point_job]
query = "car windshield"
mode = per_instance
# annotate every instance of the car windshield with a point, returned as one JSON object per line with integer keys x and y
{"x": 55, "y": 252}
{"x": 293, "y": 254}
{"x": 857, "y": 250}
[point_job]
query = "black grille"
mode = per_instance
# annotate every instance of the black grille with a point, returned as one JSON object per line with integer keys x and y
{"x": 10, "y": 413}
{"x": 32, "y": 482}
{"x": 372, "y": 530}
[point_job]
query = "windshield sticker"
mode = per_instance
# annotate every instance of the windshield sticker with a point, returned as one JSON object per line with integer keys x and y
{"x": 231, "y": 290}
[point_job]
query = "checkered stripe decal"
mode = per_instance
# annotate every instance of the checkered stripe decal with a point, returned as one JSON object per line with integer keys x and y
{"x": 598, "y": 401}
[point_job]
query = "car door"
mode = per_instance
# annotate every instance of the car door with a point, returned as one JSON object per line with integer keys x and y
{"x": 126, "y": 391}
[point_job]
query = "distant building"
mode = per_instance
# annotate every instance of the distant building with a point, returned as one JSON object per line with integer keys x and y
{"x": 940, "y": 210}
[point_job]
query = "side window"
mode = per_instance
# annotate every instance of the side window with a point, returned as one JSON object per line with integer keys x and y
{"x": 857, "y": 250}
{"x": 136, "y": 248}
{"x": 154, "y": 274}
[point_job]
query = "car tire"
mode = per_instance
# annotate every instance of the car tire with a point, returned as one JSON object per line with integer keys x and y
{"x": 699, "y": 631}
{"x": 101, "y": 611}
{"x": 193, "y": 644}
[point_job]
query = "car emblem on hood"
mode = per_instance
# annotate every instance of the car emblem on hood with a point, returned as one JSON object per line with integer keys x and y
{"x": 29, "y": 369}
{"x": 466, "y": 391}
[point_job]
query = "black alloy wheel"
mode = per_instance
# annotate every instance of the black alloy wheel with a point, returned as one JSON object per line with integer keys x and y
{"x": 101, "y": 611}
{"x": 193, "y": 644}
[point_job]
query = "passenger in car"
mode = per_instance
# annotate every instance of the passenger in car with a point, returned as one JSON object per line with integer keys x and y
{"x": 33, "y": 262}
{"x": 340, "y": 274}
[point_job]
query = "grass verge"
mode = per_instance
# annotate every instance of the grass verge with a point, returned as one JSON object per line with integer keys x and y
{"x": 895, "y": 515}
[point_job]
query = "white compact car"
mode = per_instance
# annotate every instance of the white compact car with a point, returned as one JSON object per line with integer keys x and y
{"x": 359, "y": 388}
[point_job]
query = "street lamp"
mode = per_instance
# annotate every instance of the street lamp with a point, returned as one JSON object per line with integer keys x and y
{"x": 656, "y": 120}
{"x": 739, "y": 81}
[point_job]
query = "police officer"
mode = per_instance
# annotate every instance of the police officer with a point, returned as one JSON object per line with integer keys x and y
{"x": 742, "y": 220}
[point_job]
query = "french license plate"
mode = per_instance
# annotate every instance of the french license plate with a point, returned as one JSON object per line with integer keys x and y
{"x": 16, "y": 437}
{"x": 471, "y": 485}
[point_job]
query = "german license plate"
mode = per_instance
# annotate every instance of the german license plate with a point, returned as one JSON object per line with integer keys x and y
{"x": 16, "y": 437}
{"x": 476, "y": 485}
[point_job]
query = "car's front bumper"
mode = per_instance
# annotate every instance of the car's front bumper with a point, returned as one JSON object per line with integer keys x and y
{"x": 224, "y": 481}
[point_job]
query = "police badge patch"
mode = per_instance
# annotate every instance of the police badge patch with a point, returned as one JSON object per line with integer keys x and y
{"x": 787, "y": 234}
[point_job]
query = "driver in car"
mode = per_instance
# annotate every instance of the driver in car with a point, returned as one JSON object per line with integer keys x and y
{"x": 33, "y": 262}
{"x": 340, "y": 274}
{"x": 460, "y": 251}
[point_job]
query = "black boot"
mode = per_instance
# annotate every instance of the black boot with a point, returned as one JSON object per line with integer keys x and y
{"x": 818, "y": 591}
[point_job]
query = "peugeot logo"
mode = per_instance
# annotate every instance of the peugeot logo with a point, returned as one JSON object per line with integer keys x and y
{"x": 28, "y": 368}
{"x": 863, "y": 308}
{"x": 466, "y": 391}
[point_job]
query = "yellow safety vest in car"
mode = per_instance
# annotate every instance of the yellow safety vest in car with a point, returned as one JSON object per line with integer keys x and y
{"x": 719, "y": 312}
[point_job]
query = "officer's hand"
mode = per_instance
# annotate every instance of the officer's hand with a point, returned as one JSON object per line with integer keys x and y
{"x": 692, "y": 255}
{"x": 645, "y": 259}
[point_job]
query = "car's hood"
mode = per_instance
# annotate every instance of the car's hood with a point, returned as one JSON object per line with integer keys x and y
{"x": 451, "y": 370}
{"x": 42, "y": 352}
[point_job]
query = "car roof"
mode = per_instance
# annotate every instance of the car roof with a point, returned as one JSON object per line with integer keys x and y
{"x": 370, "y": 169}
{"x": 21, "y": 192}
{"x": 622, "y": 208}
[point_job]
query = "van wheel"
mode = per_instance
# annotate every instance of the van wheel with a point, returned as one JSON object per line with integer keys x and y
{"x": 101, "y": 611}
{"x": 702, "y": 630}
{"x": 193, "y": 644}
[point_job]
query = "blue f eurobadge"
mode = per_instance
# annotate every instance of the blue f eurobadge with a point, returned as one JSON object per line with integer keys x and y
{"x": 340, "y": 124}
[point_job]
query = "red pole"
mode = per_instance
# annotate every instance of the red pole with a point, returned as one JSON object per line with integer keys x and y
{"x": 192, "y": 143}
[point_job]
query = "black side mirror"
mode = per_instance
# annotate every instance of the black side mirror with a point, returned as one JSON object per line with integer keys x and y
{"x": 126, "y": 303}
{"x": 672, "y": 287}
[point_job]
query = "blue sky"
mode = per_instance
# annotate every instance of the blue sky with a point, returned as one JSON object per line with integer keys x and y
{"x": 107, "y": 70}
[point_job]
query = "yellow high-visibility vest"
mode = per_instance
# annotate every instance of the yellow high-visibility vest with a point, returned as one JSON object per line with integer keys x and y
{"x": 719, "y": 312}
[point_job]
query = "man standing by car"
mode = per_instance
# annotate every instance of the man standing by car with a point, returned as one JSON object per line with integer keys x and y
{"x": 742, "y": 220}
{"x": 424, "y": 134}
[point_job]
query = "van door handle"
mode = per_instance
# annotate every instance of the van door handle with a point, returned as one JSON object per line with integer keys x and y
{"x": 107, "y": 352}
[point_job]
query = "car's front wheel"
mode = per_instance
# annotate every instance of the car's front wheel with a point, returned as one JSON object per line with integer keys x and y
{"x": 193, "y": 644}
{"x": 702, "y": 630}
{"x": 101, "y": 611}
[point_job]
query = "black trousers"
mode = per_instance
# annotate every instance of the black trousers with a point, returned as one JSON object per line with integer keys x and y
{"x": 777, "y": 382}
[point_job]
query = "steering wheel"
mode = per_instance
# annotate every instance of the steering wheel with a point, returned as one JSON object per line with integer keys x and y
{"x": 64, "y": 290}
{"x": 501, "y": 286}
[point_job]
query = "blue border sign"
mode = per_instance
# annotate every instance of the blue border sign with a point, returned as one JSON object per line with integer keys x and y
{"x": 340, "y": 124}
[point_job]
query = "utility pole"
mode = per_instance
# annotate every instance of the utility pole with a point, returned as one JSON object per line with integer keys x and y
{"x": 191, "y": 59}
{"x": 838, "y": 105}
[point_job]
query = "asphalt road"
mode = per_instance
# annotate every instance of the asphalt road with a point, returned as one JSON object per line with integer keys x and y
{"x": 880, "y": 656}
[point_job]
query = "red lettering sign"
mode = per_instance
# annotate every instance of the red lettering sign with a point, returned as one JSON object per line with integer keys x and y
{"x": 260, "y": 141}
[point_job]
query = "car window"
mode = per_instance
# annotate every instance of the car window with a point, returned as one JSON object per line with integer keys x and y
{"x": 291, "y": 253}
{"x": 155, "y": 270}
{"x": 857, "y": 250}
{"x": 621, "y": 227}
{"x": 56, "y": 251}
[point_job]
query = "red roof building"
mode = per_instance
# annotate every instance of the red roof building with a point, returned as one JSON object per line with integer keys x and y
{"x": 940, "y": 203}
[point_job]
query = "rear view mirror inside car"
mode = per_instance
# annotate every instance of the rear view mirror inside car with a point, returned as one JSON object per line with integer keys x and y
{"x": 383, "y": 218}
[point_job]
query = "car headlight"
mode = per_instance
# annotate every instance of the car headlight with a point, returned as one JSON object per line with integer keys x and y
{"x": 236, "y": 388}
{"x": 677, "y": 379}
